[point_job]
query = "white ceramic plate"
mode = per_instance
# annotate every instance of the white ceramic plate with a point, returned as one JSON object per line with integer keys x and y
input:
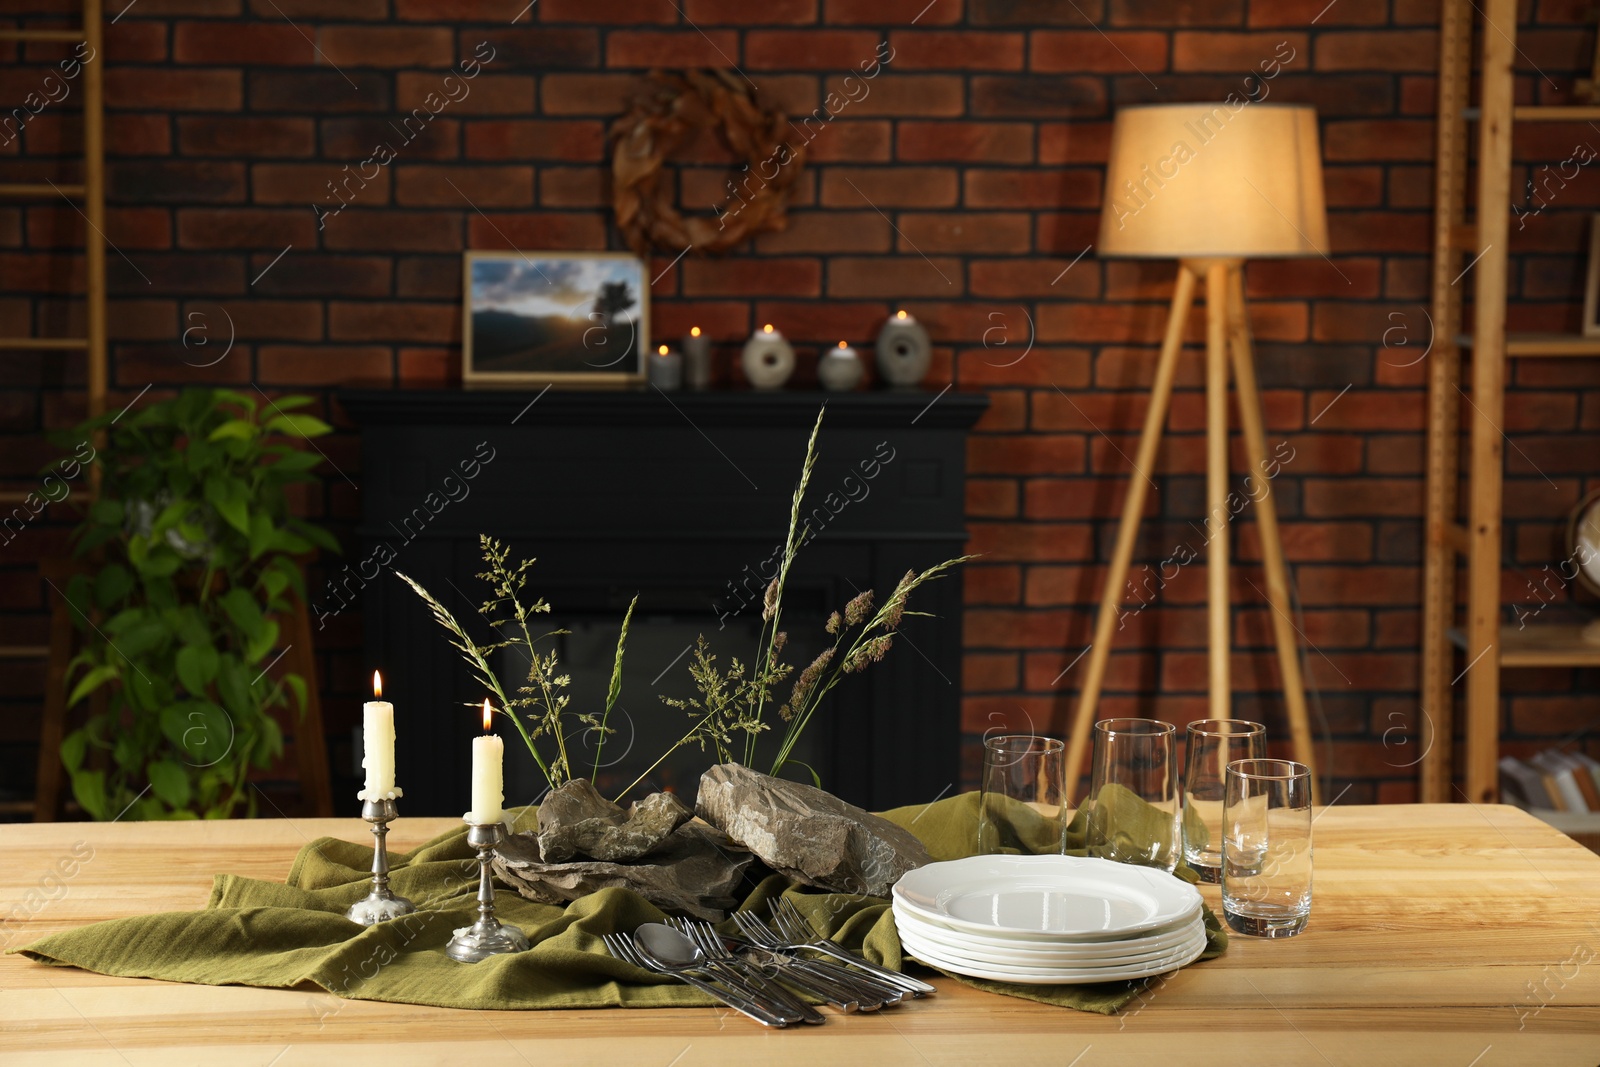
{"x": 1067, "y": 954}
{"x": 1071, "y": 898}
{"x": 961, "y": 936}
{"x": 1050, "y": 975}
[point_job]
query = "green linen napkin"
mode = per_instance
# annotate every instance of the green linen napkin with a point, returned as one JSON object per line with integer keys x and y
{"x": 276, "y": 935}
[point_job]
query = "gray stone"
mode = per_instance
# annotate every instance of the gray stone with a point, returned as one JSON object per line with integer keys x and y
{"x": 697, "y": 872}
{"x": 575, "y": 820}
{"x": 811, "y": 836}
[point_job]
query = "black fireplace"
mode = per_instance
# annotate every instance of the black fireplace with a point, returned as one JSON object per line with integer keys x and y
{"x": 682, "y": 500}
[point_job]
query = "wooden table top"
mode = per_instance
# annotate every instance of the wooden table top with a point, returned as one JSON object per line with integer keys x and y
{"x": 1459, "y": 935}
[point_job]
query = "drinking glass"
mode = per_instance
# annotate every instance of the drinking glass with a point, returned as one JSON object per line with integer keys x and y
{"x": 1266, "y": 847}
{"x": 1212, "y": 744}
{"x": 1020, "y": 810}
{"x": 1133, "y": 791}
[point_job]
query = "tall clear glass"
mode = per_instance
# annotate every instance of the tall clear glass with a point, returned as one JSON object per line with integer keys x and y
{"x": 1209, "y": 746}
{"x": 1133, "y": 791}
{"x": 1021, "y": 807}
{"x": 1266, "y": 847}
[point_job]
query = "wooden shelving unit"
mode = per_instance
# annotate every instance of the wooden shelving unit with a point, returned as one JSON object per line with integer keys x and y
{"x": 88, "y": 199}
{"x": 1468, "y": 653}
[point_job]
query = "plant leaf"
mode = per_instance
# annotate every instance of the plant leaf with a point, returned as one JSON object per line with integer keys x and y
{"x": 298, "y": 685}
{"x": 197, "y": 666}
{"x": 73, "y": 748}
{"x": 243, "y": 610}
{"x": 92, "y": 681}
{"x": 232, "y": 500}
{"x": 237, "y": 429}
{"x": 89, "y": 787}
{"x": 111, "y": 584}
{"x": 170, "y": 782}
{"x": 298, "y": 425}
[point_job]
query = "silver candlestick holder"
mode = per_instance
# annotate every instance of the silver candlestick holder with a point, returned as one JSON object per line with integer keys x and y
{"x": 488, "y": 936}
{"x": 381, "y": 904}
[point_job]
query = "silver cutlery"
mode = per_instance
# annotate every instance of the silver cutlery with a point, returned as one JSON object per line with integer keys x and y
{"x": 634, "y": 954}
{"x": 756, "y": 981}
{"x": 794, "y": 926}
{"x": 871, "y": 988}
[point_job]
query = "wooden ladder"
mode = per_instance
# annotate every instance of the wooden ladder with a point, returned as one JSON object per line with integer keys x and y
{"x": 1476, "y": 249}
{"x": 88, "y": 198}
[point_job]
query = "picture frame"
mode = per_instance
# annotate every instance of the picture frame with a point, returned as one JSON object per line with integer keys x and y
{"x": 1591, "y": 286}
{"x": 554, "y": 318}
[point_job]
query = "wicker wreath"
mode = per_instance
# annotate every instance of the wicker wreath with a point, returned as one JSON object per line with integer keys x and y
{"x": 666, "y": 112}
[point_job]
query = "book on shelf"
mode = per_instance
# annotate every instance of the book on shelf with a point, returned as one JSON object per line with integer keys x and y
{"x": 1552, "y": 780}
{"x": 1591, "y": 765}
{"x": 1520, "y": 782}
{"x": 1584, "y": 780}
{"x": 1559, "y": 780}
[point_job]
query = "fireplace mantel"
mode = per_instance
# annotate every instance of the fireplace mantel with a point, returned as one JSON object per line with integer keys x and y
{"x": 679, "y": 498}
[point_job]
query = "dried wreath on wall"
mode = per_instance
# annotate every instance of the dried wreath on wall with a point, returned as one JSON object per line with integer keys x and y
{"x": 666, "y": 112}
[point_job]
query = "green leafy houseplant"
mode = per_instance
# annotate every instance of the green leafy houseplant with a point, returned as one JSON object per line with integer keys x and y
{"x": 192, "y": 554}
{"x": 733, "y": 706}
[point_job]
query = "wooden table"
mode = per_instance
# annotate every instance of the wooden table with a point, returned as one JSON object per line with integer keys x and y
{"x": 1459, "y": 935}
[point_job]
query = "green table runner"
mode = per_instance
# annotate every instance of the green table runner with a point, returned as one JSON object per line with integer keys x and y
{"x": 282, "y": 935}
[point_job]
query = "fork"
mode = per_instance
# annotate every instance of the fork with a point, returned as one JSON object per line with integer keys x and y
{"x": 794, "y": 926}
{"x": 624, "y": 949}
{"x": 809, "y": 976}
{"x": 872, "y": 992}
{"x": 752, "y": 977}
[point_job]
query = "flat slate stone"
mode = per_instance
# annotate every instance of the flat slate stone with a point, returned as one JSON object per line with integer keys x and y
{"x": 809, "y": 835}
{"x": 576, "y": 821}
{"x": 695, "y": 872}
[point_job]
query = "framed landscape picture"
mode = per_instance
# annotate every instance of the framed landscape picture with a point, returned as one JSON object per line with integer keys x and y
{"x": 566, "y": 318}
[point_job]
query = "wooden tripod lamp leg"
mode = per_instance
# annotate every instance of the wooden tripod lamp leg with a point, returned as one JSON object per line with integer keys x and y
{"x": 1132, "y": 506}
{"x": 1255, "y": 448}
{"x": 1217, "y": 516}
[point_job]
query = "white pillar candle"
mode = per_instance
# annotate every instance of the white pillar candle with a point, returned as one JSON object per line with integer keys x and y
{"x": 488, "y": 788}
{"x": 377, "y": 745}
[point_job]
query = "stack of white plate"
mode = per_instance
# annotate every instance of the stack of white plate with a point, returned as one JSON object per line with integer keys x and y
{"x": 1048, "y": 920}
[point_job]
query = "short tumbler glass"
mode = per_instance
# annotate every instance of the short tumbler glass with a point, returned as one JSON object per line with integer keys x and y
{"x": 1133, "y": 791}
{"x": 1021, "y": 807}
{"x": 1266, "y": 847}
{"x": 1212, "y": 744}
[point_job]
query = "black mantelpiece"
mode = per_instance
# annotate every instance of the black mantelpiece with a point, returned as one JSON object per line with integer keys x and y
{"x": 670, "y": 497}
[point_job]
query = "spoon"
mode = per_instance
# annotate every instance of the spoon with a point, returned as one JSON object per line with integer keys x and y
{"x": 674, "y": 949}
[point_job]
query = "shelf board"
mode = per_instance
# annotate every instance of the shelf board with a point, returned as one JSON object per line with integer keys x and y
{"x": 1543, "y": 113}
{"x": 1543, "y": 344}
{"x": 1541, "y": 645}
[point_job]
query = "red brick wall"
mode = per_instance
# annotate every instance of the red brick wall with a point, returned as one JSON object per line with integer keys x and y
{"x": 965, "y": 186}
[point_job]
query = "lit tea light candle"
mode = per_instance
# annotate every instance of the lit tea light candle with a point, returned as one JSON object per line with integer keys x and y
{"x": 904, "y": 351}
{"x": 666, "y": 370}
{"x": 377, "y": 745}
{"x": 839, "y": 369}
{"x": 488, "y": 783}
{"x": 768, "y": 358}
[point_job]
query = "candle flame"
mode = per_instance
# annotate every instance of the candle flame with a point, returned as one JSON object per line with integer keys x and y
{"x": 662, "y": 350}
{"x": 377, "y": 685}
{"x": 694, "y": 331}
{"x": 487, "y": 712}
{"x": 900, "y": 314}
{"x": 767, "y": 328}
{"x": 843, "y": 345}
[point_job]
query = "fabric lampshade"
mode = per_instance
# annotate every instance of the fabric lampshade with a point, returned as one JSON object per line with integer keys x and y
{"x": 1214, "y": 180}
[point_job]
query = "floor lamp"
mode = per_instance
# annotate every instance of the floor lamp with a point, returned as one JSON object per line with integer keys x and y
{"x": 1210, "y": 185}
